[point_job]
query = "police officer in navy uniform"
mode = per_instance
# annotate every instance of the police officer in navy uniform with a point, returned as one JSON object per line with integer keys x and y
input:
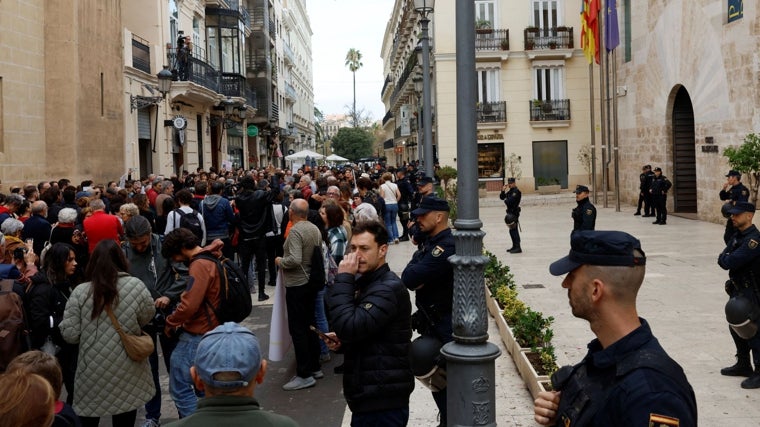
{"x": 645, "y": 198}
{"x": 742, "y": 260}
{"x": 584, "y": 215}
{"x": 733, "y": 191}
{"x": 627, "y": 378}
{"x": 431, "y": 276}
{"x": 424, "y": 189}
{"x": 511, "y": 196}
{"x": 659, "y": 191}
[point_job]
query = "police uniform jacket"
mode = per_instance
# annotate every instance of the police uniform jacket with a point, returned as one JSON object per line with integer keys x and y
{"x": 643, "y": 386}
{"x": 646, "y": 181}
{"x": 660, "y": 185}
{"x": 371, "y": 315}
{"x": 429, "y": 266}
{"x": 512, "y": 200}
{"x": 584, "y": 215}
{"x": 737, "y": 193}
{"x": 741, "y": 258}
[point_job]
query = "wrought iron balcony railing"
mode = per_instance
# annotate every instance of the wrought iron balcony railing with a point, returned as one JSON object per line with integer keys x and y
{"x": 556, "y": 109}
{"x": 495, "y": 40}
{"x": 186, "y": 67}
{"x": 232, "y": 84}
{"x": 489, "y": 112}
{"x": 548, "y": 38}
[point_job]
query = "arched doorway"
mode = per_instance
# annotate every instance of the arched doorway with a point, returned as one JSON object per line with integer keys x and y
{"x": 684, "y": 154}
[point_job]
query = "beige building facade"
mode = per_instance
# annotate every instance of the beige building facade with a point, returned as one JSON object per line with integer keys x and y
{"x": 689, "y": 71}
{"x": 79, "y": 95}
{"x": 533, "y": 90}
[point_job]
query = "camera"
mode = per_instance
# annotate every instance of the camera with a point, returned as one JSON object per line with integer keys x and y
{"x": 19, "y": 252}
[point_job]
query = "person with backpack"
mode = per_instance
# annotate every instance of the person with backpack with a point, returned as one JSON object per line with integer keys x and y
{"x": 626, "y": 378}
{"x": 196, "y": 313}
{"x": 296, "y": 263}
{"x": 218, "y": 218}
{"x": 186, "y": 217}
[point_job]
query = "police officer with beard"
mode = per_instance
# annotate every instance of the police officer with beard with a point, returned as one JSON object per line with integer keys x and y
{"x": 424, "y": 189}
{"x": 733, "y": 191}
{"x": 431, "y": 276}
{"x": 742, "y": 260}
{"x": 584, "y": 215}
{"x": 512, "y": 196}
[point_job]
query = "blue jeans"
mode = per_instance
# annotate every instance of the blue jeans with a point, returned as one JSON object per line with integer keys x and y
{"x": 153, "y": 406}
{"x": 181, "y": 385}
{"x": 388, "y": 418}
{"x": 320, "y": 319}
{"x": 391, "y": 211}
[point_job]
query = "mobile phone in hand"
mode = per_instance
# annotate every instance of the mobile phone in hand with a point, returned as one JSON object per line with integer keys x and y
{"x": 323, "y": 335}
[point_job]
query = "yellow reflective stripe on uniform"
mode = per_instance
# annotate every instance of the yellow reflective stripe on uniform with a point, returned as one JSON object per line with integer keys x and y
{"x": 656, "y": 420}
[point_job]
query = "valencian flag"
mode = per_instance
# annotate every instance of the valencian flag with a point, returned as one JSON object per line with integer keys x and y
{"x": 590, "y": 29}
{"x": 611, "y": 30}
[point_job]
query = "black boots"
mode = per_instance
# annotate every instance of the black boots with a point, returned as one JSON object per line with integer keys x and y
{"x": 742, "y": 368}
{"x": 753, "y": 381}
{"x": 514, "y": 250}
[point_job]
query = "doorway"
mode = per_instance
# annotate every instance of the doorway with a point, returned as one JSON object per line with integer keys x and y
{"x": 684, "y": 155}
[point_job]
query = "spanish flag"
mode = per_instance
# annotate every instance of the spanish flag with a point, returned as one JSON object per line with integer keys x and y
{"x": 590, "y": 29}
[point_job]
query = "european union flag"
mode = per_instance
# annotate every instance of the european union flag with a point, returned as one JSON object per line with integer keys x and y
{"x": 611, "y": 29}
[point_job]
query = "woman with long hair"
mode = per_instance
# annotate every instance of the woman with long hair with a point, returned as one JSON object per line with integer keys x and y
{"x": 107, "y": 381}
{"x": 45, "y": 301}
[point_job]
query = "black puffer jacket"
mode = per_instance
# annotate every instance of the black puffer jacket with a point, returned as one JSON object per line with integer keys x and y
{"x": 374, "y": 327}
{"x": 44, "y": 304}
{"x": 255, "y": 208}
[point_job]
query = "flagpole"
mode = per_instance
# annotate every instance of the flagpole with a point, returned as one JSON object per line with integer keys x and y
{"x": 602, "y": 101}
{"x": 594, "y": 187}
{"x": 615, "y": 130}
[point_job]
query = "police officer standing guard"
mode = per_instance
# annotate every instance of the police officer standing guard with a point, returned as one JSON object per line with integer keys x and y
{"x": 584, "y": 215}
{"x": 733, "y": 191}
{"x": 627, "y": 378}
{"x": 645, "y": 183}
{"x": 741, "y": 258}
{"x": 511, "y": 196}
{"x": 431, "y": 276}
{"x": 659, "y": 191}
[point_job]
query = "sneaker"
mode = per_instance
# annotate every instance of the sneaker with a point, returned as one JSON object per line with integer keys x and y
{"x": 298, "y": 383}
{"x": 395, "y": 241}
{"x": 515, "y": 251}
{"x": 740, "y": 369}
{"x": 403, "y": 239}
{"x": 323, "y": 358}
{"x": 637, "y": 214}
{"x": 752, "y": 382}
{"x": 318, "y": 375}
{"x": 149, "y": 422}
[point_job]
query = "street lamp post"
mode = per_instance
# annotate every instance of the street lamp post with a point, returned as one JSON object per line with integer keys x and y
{"x": 425, "y": 7}
{"x": 470, "y": 357}
{"x": 418, "y": 88}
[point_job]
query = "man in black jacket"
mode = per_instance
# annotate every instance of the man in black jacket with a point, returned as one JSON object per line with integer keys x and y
{"x": 512, "y": 196}
{"x": 645, "y": 198}
{"x": 407, "y": 193}
{"x": 370, "y": 313}
{"x": 255, "y": 206}
{"x": 659, "y": 191}
{"x": 584, "y": 215}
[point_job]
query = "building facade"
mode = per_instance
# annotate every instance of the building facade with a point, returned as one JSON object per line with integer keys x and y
{"x": 80, "y": 100}
{"x": 687, "y": 73}
{"x": 533, "y": 90}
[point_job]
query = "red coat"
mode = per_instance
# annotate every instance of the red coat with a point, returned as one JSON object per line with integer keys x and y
{"x": 102, "y": 226}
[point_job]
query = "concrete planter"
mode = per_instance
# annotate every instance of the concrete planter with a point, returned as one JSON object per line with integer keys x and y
{"x": 549, "y": 189}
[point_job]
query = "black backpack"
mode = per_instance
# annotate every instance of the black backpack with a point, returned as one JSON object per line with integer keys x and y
{"x": 317, "y": 273}
{"x": 376, "y": 201}
{"x": 189, "y": 221}
{"x": 235, "y": 302}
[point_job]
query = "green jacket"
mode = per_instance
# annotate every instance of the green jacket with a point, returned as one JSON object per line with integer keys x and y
{"x": 232, "y": 411}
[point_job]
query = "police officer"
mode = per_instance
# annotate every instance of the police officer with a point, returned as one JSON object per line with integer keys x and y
{"x": 424, "y": 189}
{"x": 431, "y": 276}
{"x": 733, "y": 191}
{"x": 659, "y": 191}
{"x": 741, "y": 258}
{"x": 627, "y": 378}
{"x": 584, "y": 215}
{"x": 645, "y": 198}
{"x": 511, "y": 196}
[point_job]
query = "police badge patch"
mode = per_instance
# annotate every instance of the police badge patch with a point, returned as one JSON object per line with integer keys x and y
{"x": 589, "y": 212}
{"x": 437, "y": 251}
{"x": 752, "y": 243}
{"x": 656, "y": 420}
{"x": 367, "y": 306}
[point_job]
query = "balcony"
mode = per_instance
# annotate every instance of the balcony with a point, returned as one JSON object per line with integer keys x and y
{"x": 388, "y": 116}
{"x": 556, "y": 110}
{"x": 185, "y": 67}
{"x": 232, "y": 84}
{"x": 140, "y": 54}
{"x": 388, "y": 80}
{"x": 290, "y": 93}
{"x": 257, "y": 64}
{"x": 548, "y": 42}
{"x": 410, "y": 68}
{"x": 257, "y": 18}
{"x": 250, "y": 98}
{"x": 495, "y": 40}
{"x": 492, "y": 112}
{"x": 289, "y": 56}
{"x": 272, "y": 30}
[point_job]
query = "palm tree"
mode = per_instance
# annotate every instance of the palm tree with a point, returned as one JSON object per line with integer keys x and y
{"x": 353, "y": 62}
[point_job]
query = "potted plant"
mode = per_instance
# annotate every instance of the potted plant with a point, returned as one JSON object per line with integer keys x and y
{"x": 504, "y": 44}
{"x": 547, "y": 185}
{"x": 552, "y": 44}
{"x": 483, "y": 26}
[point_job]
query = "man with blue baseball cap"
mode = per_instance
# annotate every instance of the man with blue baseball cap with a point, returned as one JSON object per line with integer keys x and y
{"x": 626, "y": 378}
{"x": 228, "y": 366}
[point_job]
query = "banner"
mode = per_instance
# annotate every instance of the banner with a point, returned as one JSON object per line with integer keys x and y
{"x": 279, "y": 337}
{"x": 590, "y": 29}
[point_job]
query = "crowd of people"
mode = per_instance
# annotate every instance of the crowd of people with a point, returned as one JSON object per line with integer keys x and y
{"x": 95, "y": 266}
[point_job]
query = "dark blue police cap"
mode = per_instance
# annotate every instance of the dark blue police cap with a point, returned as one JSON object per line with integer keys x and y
{"x": 431, "y": 203}
{"x": 611, "y": 248}
{"x": 510, "y": 180}
{"x": 581, "y": 189}
{"x": 734, "y": 173}
{"x": 741, "y": 207}
{"x": 425, "y": 180}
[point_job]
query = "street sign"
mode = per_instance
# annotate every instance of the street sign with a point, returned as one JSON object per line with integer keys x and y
{"x": 253, "y": 130}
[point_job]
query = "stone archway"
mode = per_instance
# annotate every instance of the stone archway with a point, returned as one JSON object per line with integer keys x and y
{"x": 684, "y": 154}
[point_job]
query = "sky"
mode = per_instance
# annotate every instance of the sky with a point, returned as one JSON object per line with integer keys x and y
{"x": 337, "y": 26}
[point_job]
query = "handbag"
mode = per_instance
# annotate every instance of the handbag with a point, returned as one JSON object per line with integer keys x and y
{"x": 138, "y": 347}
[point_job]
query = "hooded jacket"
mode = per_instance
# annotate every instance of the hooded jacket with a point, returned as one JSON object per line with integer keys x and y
{"x": 255, "y": 208}
{"x": 218, "y": 216}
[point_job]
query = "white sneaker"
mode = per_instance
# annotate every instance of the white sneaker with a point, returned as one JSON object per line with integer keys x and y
{"x": 151, "y": 423}
{"x": 318, "y": 375}
{"x": 298, "y": 383}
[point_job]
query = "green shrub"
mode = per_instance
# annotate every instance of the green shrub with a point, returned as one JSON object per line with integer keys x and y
{"x": 532, "y": 329}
